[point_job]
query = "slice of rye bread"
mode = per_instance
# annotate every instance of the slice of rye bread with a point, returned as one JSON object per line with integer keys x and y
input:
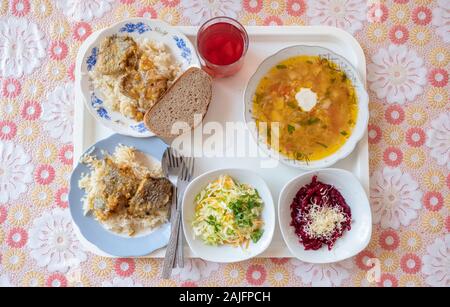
{"x": 190, "y": 94}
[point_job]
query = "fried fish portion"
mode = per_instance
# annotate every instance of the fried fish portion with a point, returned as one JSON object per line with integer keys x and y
{"x": 145, "y": 85}
{"x": 118, "y": 185}
{"x": 117, "y": 54}
{"x": 151, "y": 194}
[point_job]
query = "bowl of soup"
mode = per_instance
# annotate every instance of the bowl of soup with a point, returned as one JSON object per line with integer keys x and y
{"x": 306, "y": 106}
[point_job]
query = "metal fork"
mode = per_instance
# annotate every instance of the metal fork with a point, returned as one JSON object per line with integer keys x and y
{"x": 185, "y": 177}
{"x": 171, "y": 166}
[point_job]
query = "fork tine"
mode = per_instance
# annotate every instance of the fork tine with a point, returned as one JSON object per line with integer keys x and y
{"x": 188, "y": 168}
{"x": 165, "y": 162}
{"x": 185, "y": 170}
{"x": 169, "y": 153}
{"x": 191, "y": 170}
{"x": 178, "y": 157}
{"x": 172, "y": 158}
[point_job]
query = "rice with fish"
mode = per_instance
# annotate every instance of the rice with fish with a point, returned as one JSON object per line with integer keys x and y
{"x": 123, "y": 194}
{"x": 131, "y": 77}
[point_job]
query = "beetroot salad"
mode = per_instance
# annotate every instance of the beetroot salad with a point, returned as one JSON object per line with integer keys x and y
{"x": 320, "y": 215}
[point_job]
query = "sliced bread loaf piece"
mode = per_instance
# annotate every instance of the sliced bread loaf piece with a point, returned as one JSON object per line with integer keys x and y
{"x": 189, "y": 95}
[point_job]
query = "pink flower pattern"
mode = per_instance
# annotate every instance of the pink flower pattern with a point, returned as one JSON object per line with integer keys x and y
{"x": 410, "y": 263}
{"x": 124, "y": 267}
{"x": 433, "y": 201}
{"x": 31, "y": 110}
{"x": 394, "y": 115}
{"x": 415, "y": 137}
{"x": 3, "y": 214}
{"x": 421, "y": 15}
{"x": 374, "y": 134}
{"x": 66, "y": 154}
{"x": 8, "y": 130}
{"x": 398, "y": 34}
{"x": 378, "y": 12}
{"x": 389, "y": 240}
{"x": 81, "y": 31}
{"x": 388, "y": 280}
{"x": 256, "y": 275}
{"x": 362, "y": 260}
{"x": 56, "y": 280}
{"x": 61, "y": 197}
{"x": 273, "y": 21}
{"x": 11, "y": 88}
{"x": 148, "y": 12}
{"x": 392, "y": 156}
{"x": 44, "y": 174}
{"x": 17, "y": 238}
{"x": 438, "y": 77}
{"x": 296, "y": 7}
{"x": 20, "y": 8}
{"x": 253, "y": 6}
{"x": 58, "y": 50}
{"x": 402, "y": 77}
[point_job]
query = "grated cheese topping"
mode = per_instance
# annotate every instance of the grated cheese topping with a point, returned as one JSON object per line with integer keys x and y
{"x": 323, "y": 220}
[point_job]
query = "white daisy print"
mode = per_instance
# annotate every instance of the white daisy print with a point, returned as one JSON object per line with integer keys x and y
{"x": 397, "y": 74}
{"x": 58, "y": 113}
{"x": 395, "y": 198}
{"x": 5, "y": 281}
{"x": 81, "y": 10}
{"x": 441, "y": 19}
{"x": 436, "y": 263}
{"x": 22, "y": 47}
{"x": 121, "y": 283}
{"x": 345, "y": 14}
{"x": 199, "y": 11}
{"x": 16, "y": 171}
{"x": 53, "y": 242}
{"x": 195, "y": 269}
{"x": 322, "y": 275}
{"x": 438, "y": 139}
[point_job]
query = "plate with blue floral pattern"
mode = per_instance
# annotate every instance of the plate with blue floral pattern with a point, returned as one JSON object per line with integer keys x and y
{"x": 181, "y": 49}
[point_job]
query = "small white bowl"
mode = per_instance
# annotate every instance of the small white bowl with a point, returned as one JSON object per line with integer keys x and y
{"x": 353, "y": 241}
{"x": 227, "y": 253}
{"x": 344, "y": 65}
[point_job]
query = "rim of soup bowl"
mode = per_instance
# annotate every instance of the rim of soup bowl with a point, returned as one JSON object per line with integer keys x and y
{"x": 347, "y": 148}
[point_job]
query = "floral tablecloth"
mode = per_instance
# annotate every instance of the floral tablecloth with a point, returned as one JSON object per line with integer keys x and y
{"x": 407, "y": 48}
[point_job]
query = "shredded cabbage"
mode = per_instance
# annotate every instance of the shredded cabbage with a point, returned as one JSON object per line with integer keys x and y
{"x": 228, "y": 212}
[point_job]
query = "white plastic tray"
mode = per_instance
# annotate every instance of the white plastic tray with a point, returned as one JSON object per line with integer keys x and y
{"x": 227, "y": 106}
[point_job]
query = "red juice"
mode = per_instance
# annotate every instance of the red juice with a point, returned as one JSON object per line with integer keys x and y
{"x": 222, "y": 43}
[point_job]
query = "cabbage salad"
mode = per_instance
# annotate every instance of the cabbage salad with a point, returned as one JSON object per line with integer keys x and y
{"x": 228, "y": 212}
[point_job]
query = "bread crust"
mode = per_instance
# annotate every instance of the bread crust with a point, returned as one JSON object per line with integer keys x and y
{"x": 149, "y": 114}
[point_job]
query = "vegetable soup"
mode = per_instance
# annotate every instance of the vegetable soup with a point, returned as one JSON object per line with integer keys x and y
{"x": 314, "y": 103}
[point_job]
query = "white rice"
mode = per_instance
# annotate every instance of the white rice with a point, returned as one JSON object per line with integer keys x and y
{"x": 93, "y": 182}
{"x": 109, "y": 85}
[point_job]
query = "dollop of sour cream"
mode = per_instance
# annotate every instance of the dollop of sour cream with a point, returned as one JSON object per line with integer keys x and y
{"x": 306, "y": 99}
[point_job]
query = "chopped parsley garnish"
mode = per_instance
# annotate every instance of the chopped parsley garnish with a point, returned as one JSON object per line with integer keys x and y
{"x": 290, "y": 129}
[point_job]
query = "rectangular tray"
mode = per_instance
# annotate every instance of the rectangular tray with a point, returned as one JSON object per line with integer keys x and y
{"x": 227, "y": 106}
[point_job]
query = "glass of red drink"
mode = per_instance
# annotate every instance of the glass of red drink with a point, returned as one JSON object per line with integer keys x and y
{"x": 222, "y": 43}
